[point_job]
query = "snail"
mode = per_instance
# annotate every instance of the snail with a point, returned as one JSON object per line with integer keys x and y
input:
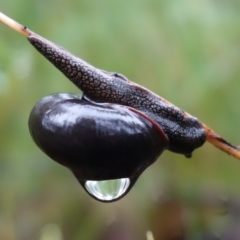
{"x": 115, "y": 130}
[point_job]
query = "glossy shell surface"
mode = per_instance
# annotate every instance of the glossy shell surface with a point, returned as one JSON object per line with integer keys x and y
{"x": 95, "y": 141}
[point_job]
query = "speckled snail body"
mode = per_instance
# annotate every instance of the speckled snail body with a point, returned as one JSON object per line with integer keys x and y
{"x": 115, "y": 130}
{"x": 185, "y": 132}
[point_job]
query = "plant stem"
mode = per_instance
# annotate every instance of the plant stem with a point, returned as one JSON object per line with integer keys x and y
{"x": 221, "y": 143}
{"x": 15, "y": 25}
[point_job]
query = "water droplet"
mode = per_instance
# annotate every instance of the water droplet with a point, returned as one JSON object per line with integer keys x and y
{"x": 107, "y": 190}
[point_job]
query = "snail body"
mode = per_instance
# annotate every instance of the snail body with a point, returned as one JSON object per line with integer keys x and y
{"x": 184, "y": 131}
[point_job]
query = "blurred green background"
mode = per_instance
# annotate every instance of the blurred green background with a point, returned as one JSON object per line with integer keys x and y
{"x": 186, "y": 51}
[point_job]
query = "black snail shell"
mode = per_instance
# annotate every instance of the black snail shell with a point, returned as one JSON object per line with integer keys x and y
{"x": 96, "y": 141}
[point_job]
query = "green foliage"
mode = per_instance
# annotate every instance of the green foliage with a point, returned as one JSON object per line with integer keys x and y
{"x": 186, "y": 51}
